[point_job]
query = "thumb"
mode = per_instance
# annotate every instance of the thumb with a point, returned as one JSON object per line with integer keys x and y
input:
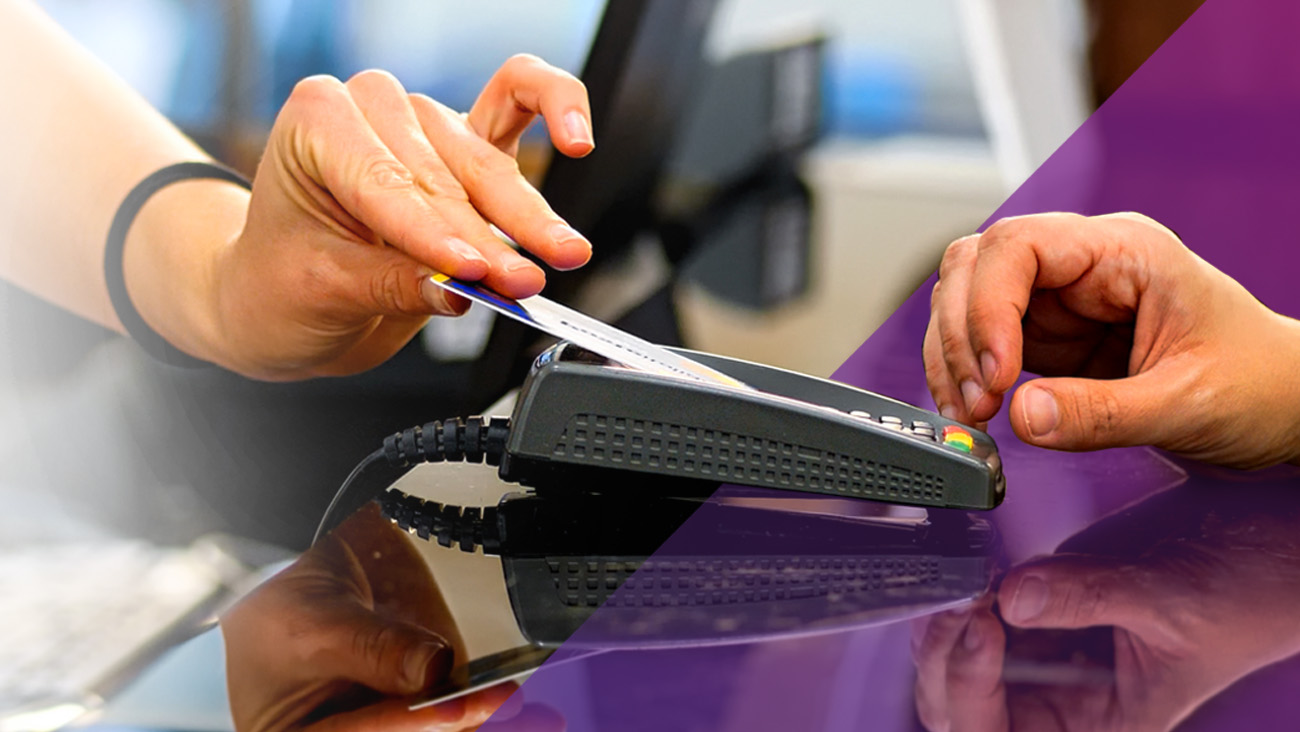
{"x": 1076, "y": 591}
{"x": 1091, "y": 414}
{"x": 390, "y": 657}
{"x": 383, "y": 281}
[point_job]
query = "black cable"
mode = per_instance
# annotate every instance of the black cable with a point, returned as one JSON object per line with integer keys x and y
{"x": 468, "y": 528}
{"x": 335, "y": 514}
{"x": 472, "y": 440}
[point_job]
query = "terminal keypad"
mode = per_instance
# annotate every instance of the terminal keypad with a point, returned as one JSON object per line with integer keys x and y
{"x": 952, "y": 436}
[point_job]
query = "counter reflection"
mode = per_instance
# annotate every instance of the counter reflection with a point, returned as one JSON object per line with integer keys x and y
{"x": 1133, "y": 623}
{"x": 358, "y": 632}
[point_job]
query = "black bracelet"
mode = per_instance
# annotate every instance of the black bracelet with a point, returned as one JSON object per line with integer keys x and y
{"x": 148, "y": 339}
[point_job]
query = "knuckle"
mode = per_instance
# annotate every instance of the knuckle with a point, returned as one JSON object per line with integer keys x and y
{"x": 1135, "y": 217}
{"x": 522, "y": 61}
{"x": 951, "y": 343}
{"x": 1158, "y": 235}
{"x": 372, "y": 642}
{"x": 527, "y": 63}
{"x": 440, "y": 185}
{"x": 316, "y": 90}
{"x": 488, "y": 164}
{"x": 956, "y": 254}
{"x": 373, "y": 77}
{"x": 934, "y": 375}
{"x": 957, "y": 366}
{"x": 388, "y": 292}
{"x": 981, "y": 311}
{"x": 1088, "y": 602}
{"x": 1000, "y": 230}
{"x": 1105, "y": 413}
{"x": 384, "y": 173}
{"x": 936, "y": 381}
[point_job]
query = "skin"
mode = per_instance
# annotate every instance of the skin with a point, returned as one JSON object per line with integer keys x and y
{"x": 1193, "y": 592}
{"x": 347, "y": 638}
{"x": 363, "y": 191}
{"x": 1139, "y": 341}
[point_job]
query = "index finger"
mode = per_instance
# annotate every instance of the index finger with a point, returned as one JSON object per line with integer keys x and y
{"x": 1016, "y": 256}
{"x": 524, "y": 87}
{"x": 496, "y": 188}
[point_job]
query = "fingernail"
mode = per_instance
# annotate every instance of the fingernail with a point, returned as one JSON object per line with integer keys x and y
{"x": 1029, "y": 600}
{"x": 972, "y": 638}
{"x": 433, "y": 294}
{"x": 565, "y": 234}
{"x": 463, "y": 250}
{"x": 568, "y": 238}
{"x": 418, "y": 660}
{"x": 579, "y": 131}
{"x": 948, "y": 412}
{"x": 971, "y": 392}
{"x": 519, "y": 265}
{"x": 1041, "y": 413}
{"x": 988, "y": 368}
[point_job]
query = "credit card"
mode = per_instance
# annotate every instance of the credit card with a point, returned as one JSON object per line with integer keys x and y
{"x": 589, "y": 333}
{"x": 498, "y": 668}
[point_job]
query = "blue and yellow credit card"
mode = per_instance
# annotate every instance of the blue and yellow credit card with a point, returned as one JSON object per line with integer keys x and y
{"x": 589, "y": 333}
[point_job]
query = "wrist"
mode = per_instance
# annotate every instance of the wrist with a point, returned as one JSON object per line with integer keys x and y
{"x": 1289, "y": 395}
{"x": 171, "y": 262}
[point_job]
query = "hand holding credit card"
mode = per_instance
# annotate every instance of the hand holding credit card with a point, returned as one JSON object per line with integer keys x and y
{"x": 589, "y": 333}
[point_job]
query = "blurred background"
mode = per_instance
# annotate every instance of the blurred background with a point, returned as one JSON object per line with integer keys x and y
{"x": 808, "y": 167}
{"x": 778, "y": 178}
{"x": 931, "y": 111}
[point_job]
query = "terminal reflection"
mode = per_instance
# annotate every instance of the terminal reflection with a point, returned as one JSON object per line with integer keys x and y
{"x": 1133, "y": 623}
{"x": 358, "y": 630}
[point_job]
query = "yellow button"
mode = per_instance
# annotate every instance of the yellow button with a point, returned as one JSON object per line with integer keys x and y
{"x": 957, "y": 437}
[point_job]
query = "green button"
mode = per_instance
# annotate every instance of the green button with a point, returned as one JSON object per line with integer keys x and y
{"x": 959, "y": 445}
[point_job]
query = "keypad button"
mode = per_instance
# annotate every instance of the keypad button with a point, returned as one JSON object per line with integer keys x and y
{"x": 958, "y": 438}
{"x": 919, "y": 425}
{"x": 890, "y": 419}
{"x": 860, "y": 414}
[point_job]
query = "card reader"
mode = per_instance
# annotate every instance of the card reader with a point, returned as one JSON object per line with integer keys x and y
{"x": 585, "y": 424}
{"x": 578, "y": 411}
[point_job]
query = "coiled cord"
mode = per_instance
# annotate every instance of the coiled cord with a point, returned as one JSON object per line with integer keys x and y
{"x": 473, "y": 440}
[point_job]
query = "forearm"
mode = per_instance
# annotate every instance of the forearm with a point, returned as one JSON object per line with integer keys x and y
{"x": 287, "y": 283}
{"x": 78, "y": 140}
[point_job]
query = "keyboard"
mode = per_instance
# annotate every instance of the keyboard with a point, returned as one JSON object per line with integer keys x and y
{"x": 78, "y": 620}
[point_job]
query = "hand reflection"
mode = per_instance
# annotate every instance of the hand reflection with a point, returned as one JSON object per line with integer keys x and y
{"x": 347, "y": 637}
{"x": 1151, "y": 612}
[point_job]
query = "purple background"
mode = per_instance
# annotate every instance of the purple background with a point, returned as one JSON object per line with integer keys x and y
{"x": 1202, "y": 138}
